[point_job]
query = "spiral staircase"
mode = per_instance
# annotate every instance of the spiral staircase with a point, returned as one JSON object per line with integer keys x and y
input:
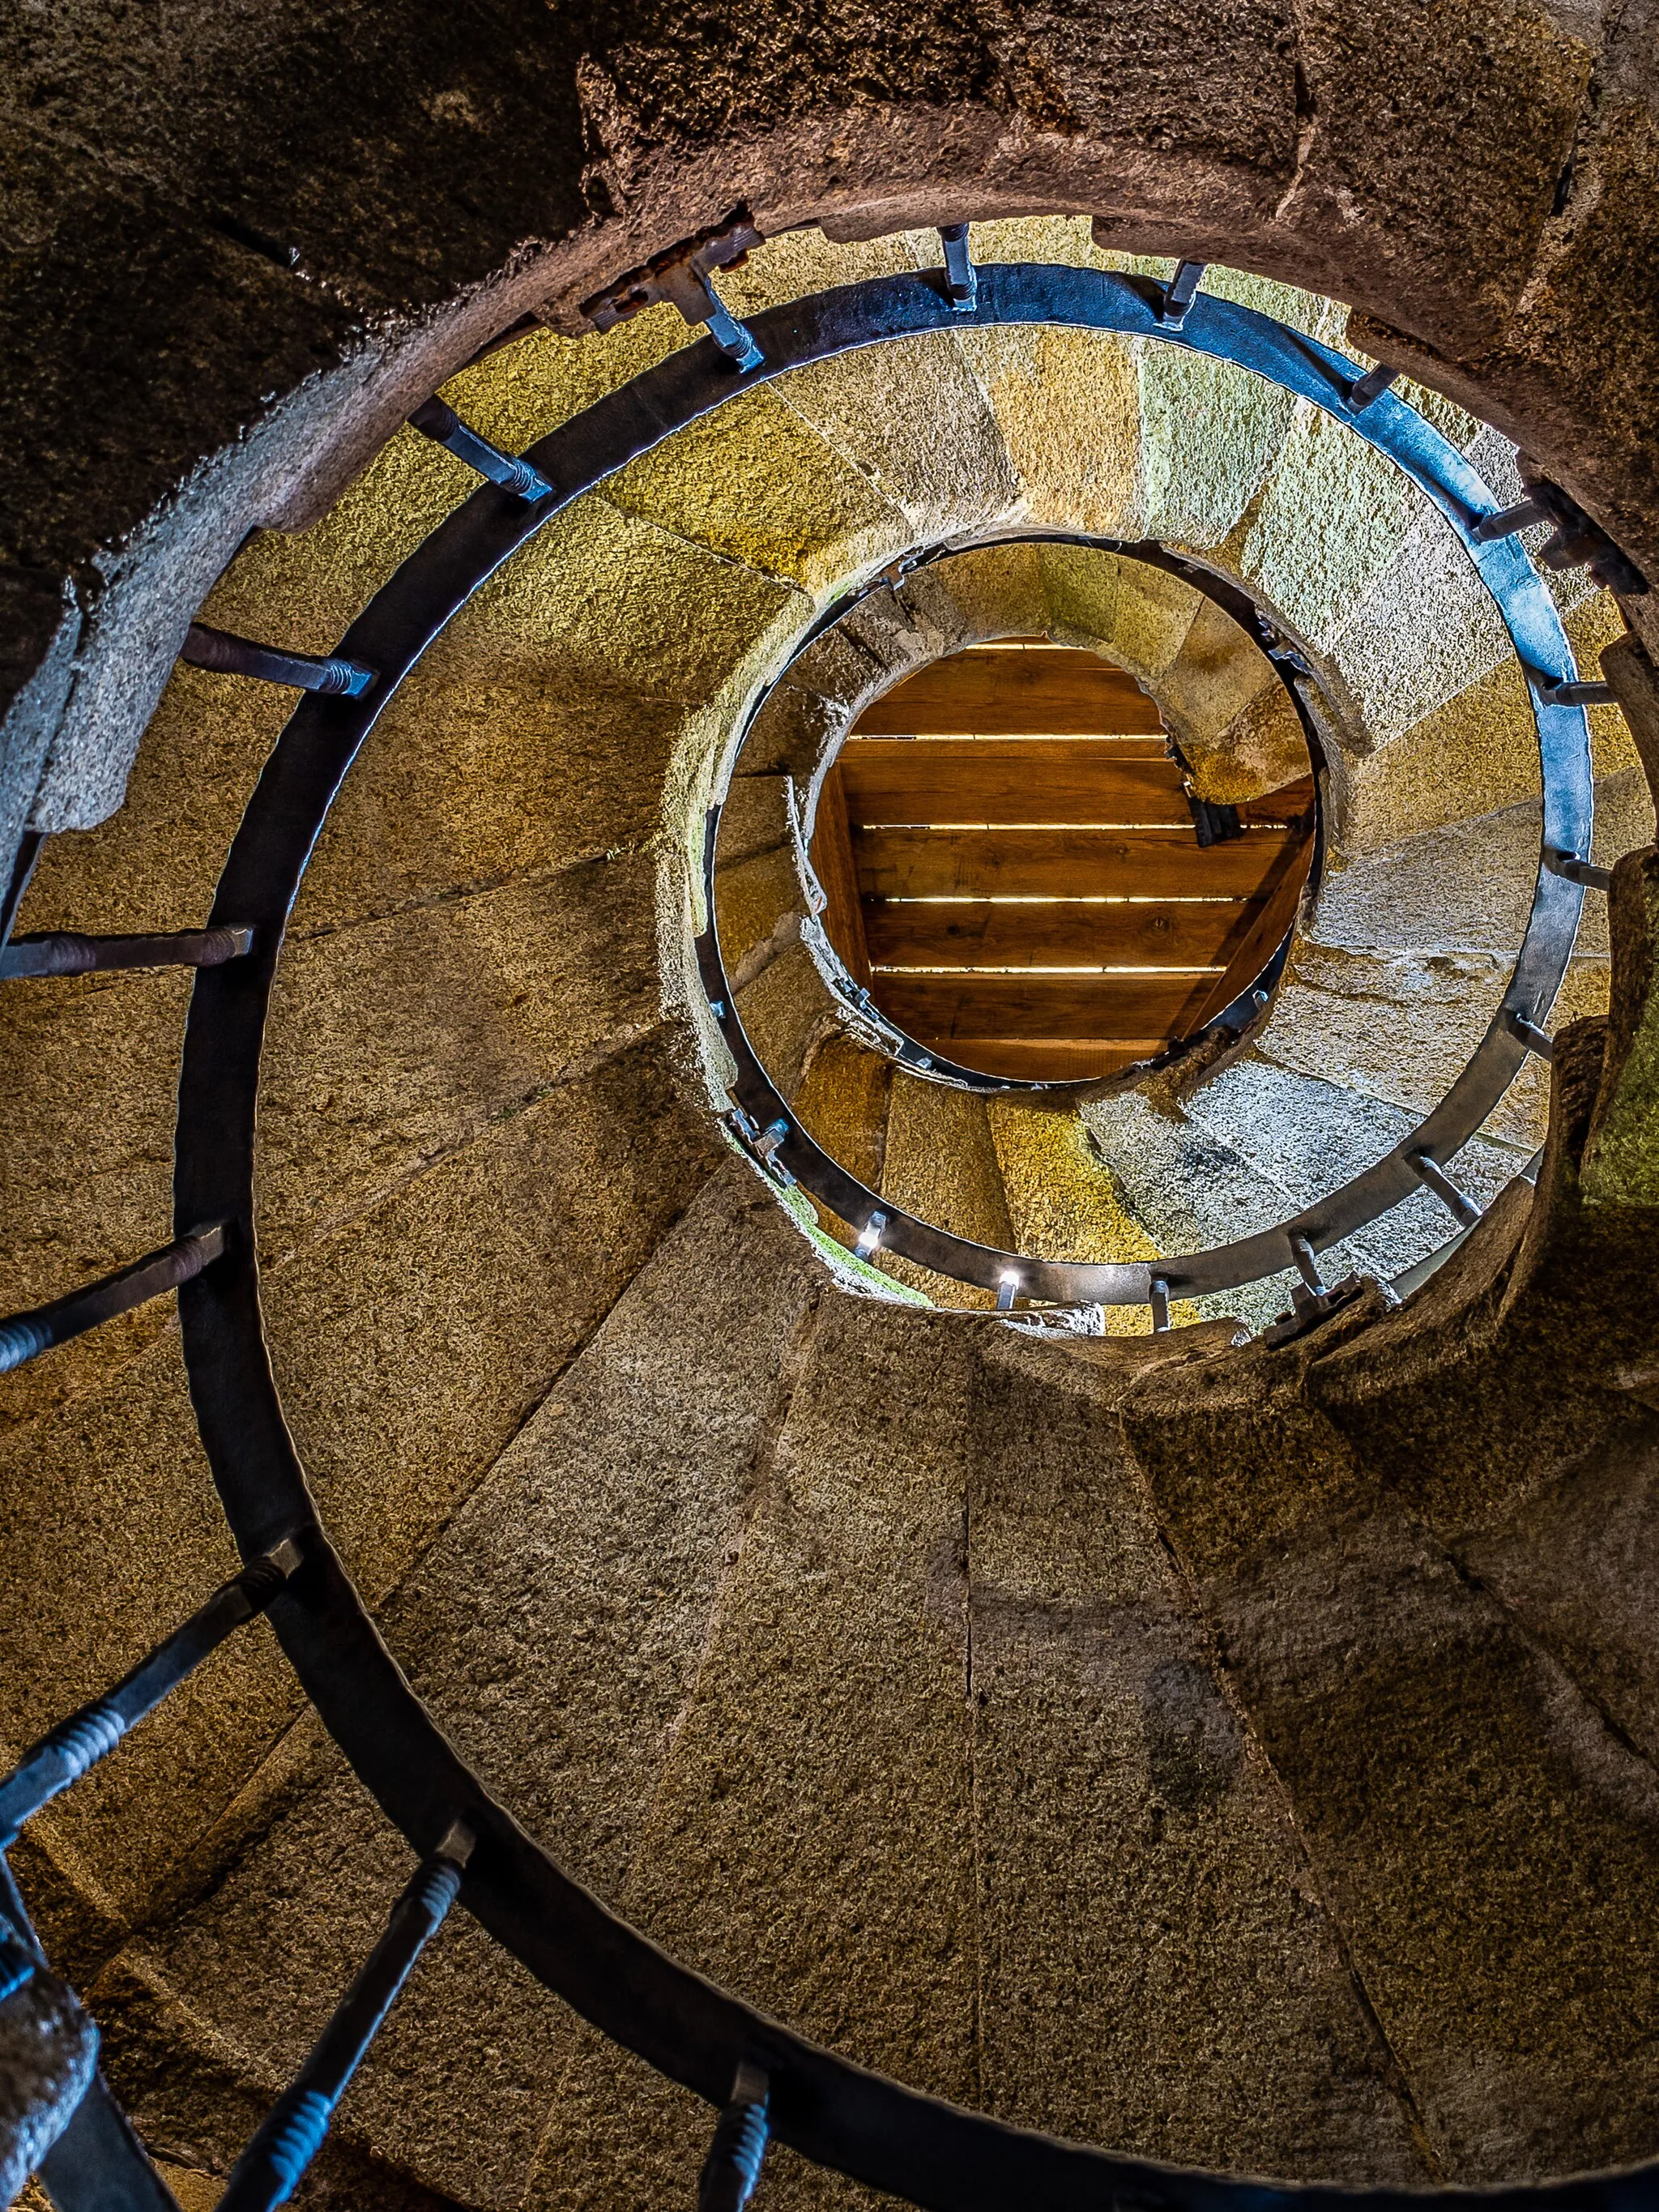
{"x": 1099, "y": 1718}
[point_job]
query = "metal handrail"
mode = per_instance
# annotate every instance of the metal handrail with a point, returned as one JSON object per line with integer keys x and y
{"x": 840, "y": 2115}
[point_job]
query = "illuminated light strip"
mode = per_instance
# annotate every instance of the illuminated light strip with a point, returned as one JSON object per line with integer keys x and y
{"x": 880, "y": 970}
{"x": 1070, "y": 898}
{"x": 1175, "y": 828}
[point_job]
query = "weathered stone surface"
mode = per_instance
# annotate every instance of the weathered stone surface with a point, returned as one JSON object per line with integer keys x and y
{"x": 1328, "y": 518}
{"x": 394, "y": 1042}
{"x": 998, "y": 592}
{"x": 759, "y": 904}
{"x": 1621, "y": 1158}
{"x": 784, "y": 1012}
{"x": 1118, "y": 1786}
{"x": 1210, "y": 688}
{"x": 89, "y": 1073}
{"x": 913, "y": 421}
{"x": 1137, "y": 614}
{"x": 1211, "y": 435}
{"x": 559, "y": 1627}
{"x": 811, "y": 1839}
{"x": 754, "y": 818}
{"x": 48, "y": 2052}
{"x": 1067, "y": 405}
{"x": 1627, "y": 666}
{"x": 1261, "y": 749}
{"x": 842, "y": 1105}
{"x": 114, "y": 1477}
{"x": 757, "y": 483}
{"x": 411, "y": 1345}
{"x": 1064, "y": 1203}
{"x": 940, "y": 1164}
{"x": 1400, "y": 1026}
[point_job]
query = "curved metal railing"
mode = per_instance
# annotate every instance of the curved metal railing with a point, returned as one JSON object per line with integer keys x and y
{"x": 765, "y": 2077}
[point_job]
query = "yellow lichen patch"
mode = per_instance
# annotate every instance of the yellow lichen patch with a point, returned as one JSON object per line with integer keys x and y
{"x": 911, "y": 419}
{"x": 841, "y": 1104}
{"x": 1067, "y": 405}
{"x": 1330, "y": 517}
{"x": 1137, "y": 614}
{"x": 756, "y": 483}
{"x": 941, "y": 1165}
{"x": 522, "y": 391}
{"x": 1063, "y": 1203}
{"x": 1477, "y": 752}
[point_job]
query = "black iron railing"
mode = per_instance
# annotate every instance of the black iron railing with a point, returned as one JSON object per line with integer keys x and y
{"x": 763, "y": 2079}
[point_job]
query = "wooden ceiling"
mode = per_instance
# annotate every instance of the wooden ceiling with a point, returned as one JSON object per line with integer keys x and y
{"x": 1012, "y": 869}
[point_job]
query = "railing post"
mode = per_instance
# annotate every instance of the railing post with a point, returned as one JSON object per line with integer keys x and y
{"x": 1458, "y": 1203}
{"x": 436, "y": 419}
{"x": 961, "y": 277}
{"x": 67, "y": 952}
{"x": 292, "y": 2132}
{"x": 66, "y": 1751}
{"x": 732, "y": 2166}
{"x": 24, "y": 1336}
{"x": 230, "y": 655}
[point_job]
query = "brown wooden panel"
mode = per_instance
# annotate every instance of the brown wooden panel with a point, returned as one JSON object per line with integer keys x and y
{"x": 995, "y": 694}
{"x": 1266, "y": 934}
{"x": 937, "y": 1008}
{"x": 1294, "y": 802}
{"x": 976, "y": 934}
{"x": 1002, "y": 779}
{"x": 831, "y": 855}
{"x": 1051, "y": 1059}
{"x": 1161, "y": 864}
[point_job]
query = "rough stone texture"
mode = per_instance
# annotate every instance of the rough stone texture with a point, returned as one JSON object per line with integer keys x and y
{"x": 1064, "y": 1203}
{"x": 1400, "y": 1026}
{"x": 1329, "y": 518}
{"x": 1066, "y": 405}
{"x": 939, "y": 1163}
{"x": 1628, "y": 667}
{"x": 559, "y": 1626}
{"x": 396, "y": 1041}
{"x": 1118, "y": 1785}
{"x": 1212, "y": 696}
{"x": 1263, "y": 747}
{"x": 1140, "y": 614}
{"x": 1620, "y": 1168}
{"x": 90, "y": 1077}
{"x": 48, "y": 2053}
{"x": 759, "y": 905}
{"x": 842, "y": 1105}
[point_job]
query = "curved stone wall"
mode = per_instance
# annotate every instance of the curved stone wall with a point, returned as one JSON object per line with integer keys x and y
{"x": 1240, "y": 1753}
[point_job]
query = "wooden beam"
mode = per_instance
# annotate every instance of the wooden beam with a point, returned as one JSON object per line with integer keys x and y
{"x": 1273, "y": 917}
{"x": 938, "y": 1009}
{"x": 973, "y": 934}
{"x": 831, "y": 855}
{"x": 1051, "y": 689}
{"x": 1002, "y": 779}
{"x": 1051, "y": 1059}
{"x": 1161, "y": 864}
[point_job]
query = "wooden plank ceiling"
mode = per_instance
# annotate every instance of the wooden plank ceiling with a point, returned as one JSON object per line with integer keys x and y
{"x": 1012, "y": 871}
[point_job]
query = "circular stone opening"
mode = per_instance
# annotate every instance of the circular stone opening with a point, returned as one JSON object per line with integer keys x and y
{"x": 1020, "y": 867}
